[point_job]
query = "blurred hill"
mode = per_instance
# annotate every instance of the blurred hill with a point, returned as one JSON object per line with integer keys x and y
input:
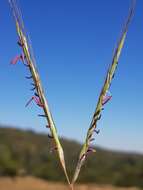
{"x": 26, "y": 153}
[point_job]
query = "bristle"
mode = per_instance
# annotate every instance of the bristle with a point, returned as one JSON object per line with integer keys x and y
{"x": 42, "y": 115}
{"x": 50, "y": 136}
{"x": 28, "y": 77}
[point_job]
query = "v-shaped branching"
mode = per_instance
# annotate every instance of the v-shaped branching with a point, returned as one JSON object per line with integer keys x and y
{"x": 39, "y": 98}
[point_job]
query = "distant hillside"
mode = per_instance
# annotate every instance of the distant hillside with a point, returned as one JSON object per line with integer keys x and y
{"x": 28, "y": 153}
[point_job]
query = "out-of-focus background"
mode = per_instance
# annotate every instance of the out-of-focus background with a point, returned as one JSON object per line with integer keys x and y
{"x": 26, "y": 153}
{"x": 73, "y": 42}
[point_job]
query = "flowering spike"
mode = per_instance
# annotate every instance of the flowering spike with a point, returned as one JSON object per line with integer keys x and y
{"x": 30, "y": 60}
{"x": 102, "y": 98}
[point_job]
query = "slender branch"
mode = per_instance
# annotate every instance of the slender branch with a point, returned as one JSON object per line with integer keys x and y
{"x": 30, "y": 62}
{"x": 103, "y": 98}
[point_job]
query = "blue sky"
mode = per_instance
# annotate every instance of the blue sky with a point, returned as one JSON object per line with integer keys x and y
{"x": 73, "y": 42}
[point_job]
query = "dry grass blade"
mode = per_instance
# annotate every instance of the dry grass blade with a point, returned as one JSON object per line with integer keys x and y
{"x": 103, "y": 99}
{"x": 39, "y": 97}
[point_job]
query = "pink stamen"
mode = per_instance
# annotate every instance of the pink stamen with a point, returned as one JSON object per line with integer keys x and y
{"x": 15, "y": 59}
{"x": 106, "y": 98}
{"x": 90, "y": 150}
{"x": 37, "y": 101}
{"x": 18, "y": 58}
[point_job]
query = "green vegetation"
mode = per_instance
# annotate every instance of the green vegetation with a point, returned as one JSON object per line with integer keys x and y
{"x": 28, "y": 153}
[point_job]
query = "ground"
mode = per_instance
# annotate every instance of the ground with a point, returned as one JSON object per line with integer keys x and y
{"x": 31, "y": 183}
